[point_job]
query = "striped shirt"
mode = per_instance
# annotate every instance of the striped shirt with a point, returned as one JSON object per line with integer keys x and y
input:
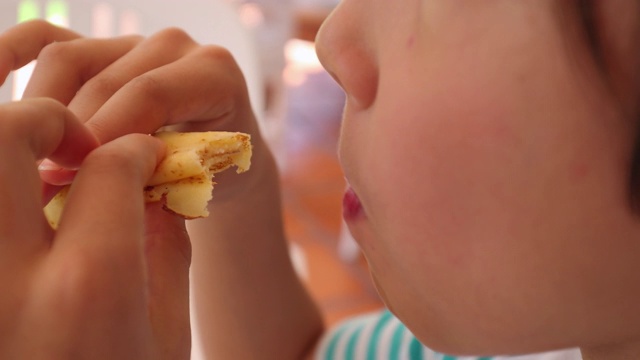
{"x": 381, "y": 336}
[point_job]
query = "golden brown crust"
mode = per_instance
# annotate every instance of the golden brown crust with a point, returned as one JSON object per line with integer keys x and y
{"x": 183, "y": 179}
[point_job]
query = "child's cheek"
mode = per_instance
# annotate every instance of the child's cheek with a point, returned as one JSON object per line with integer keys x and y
{"x": 447, "y": 192}
{"x": 450, "y": 162}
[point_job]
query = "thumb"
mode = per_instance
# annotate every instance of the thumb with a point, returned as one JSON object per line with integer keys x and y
{"x": 168, "y": 254}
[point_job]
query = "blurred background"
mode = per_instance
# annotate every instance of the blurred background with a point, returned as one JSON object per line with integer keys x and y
{"x": 298, "y": 105}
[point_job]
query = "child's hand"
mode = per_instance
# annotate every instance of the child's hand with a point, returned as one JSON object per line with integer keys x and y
{"x": 127, "y": 85}
{"x": 93, "y": 289}
{"x": 135, "y": 85}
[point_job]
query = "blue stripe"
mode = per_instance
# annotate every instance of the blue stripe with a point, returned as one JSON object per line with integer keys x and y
{"x": 375, "y": 335}
{"x": 331, "y": 349}
{"x": 415, "y": 350}
{"x": 351, "y": 345}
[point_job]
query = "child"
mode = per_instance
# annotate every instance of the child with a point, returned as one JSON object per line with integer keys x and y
{"x": 490, "y": 148}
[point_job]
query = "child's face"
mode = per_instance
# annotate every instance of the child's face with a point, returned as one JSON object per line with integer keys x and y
{"x": 491, "y": 153}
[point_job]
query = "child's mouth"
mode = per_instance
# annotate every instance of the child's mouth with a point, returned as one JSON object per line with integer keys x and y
{"x": 351, "y": 206}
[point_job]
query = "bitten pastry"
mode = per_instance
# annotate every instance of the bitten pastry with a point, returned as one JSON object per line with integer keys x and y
{"x": 183, "y": 180}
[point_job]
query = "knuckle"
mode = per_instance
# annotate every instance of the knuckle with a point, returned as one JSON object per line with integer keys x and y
{"x": 223, "y": 64}
{"x": 217, "y": 52}
{"x": 145, "y": 83}
{"x": 172, "y": 36}
{"x": 148, "y": 87}
{"x": 220, "y": 56}
{"x": 102, "y": 86}
{"x": 62, "y": 52}
{"x": 39, "y": 25}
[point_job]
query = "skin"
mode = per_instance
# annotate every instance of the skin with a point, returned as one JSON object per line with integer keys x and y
{"x": 85, "y": 290}
{"x": 490, "y": 149}
{"x": 489, "y": 146}
{"x": 248, "y": 305}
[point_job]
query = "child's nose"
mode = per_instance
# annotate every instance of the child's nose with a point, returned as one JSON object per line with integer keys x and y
{"x": 346, "y": 49}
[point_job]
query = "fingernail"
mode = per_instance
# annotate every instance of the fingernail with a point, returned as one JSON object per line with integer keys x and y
{"x": 48, "y": 165}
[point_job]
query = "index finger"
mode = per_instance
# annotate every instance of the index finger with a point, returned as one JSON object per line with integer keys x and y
{"x": 22, "y": 43}
{"x": 202, "y": 87}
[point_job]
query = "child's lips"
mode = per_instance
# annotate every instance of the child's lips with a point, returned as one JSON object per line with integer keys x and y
{"x": 351, "y": 206}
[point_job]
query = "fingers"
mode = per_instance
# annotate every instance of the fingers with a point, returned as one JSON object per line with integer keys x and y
{"x": 85, "y": 73}
{"x": 128, "y": 85}
{"x": 31, "y": 130}
{"x": 104, "y": 223}
{"x": 204, "y": 85}
{"x": 103, "y": 216}
{"x": 168, "y": 251}
{"x": 63, "y": 67}
{"x": 22, "y": 43}
{"x": 161, "y": 49}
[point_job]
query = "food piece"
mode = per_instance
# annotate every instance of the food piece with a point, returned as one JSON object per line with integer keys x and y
{"x": 183, "y": 180}
{"x": 184, "y": 177}
{"x": 53, "y": 210}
